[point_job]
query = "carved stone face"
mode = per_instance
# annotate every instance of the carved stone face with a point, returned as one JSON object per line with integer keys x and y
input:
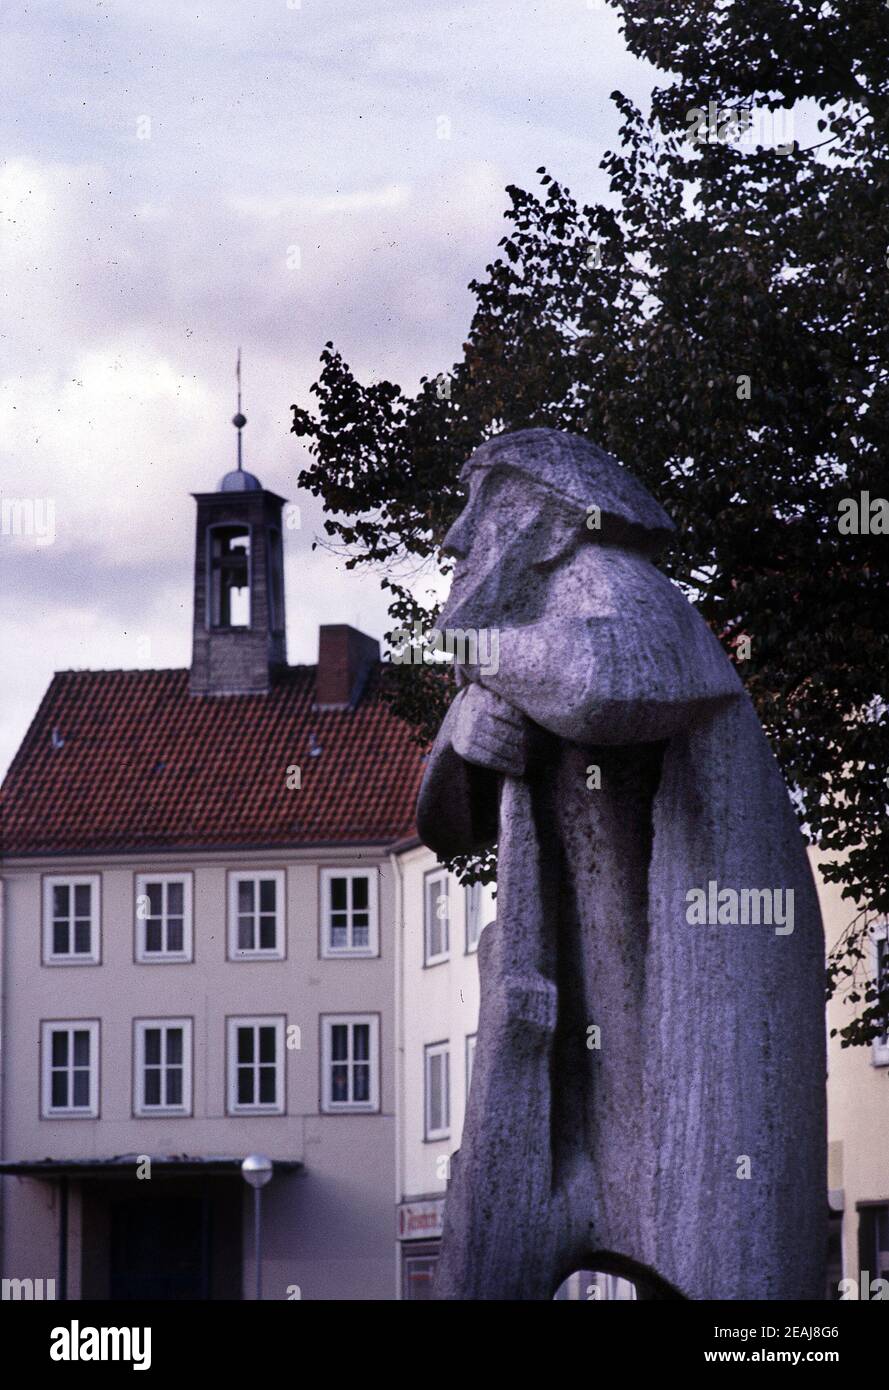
{"x": 504, "y": 536}
{"x": 529, "y": 570}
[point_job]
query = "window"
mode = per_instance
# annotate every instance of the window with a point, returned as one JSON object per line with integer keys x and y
{"x": 418, "y": 1265}
{"x": 437, "y": 1091}
{"x": 880, "y": 937}
{"x": 470, "y": 1060}
{"x": 435, "y": 913}
{"x": 163, "y": 1066}
{"x": 70, "y": 1053}
{"x": 348, "y": 913}
{"x": 163, "y": 917}
{"x": 873, "y": 1239}
{"x": 350, "y": 1078}
{"x": 474, "y": 901}
{"x": 256, "y": 916}
{"x": 229, "y": 576}
{"x": 71, "y": 920}
{"x": 256, "y": 1065}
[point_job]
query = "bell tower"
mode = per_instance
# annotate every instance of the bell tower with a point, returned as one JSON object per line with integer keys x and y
{"x": 239, "y": 632}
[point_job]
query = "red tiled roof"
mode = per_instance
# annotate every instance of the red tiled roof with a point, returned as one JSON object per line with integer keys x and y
{"x": 142, "y": 764}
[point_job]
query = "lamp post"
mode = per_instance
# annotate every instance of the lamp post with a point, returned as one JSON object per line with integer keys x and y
{"x": 257, "y": 1170}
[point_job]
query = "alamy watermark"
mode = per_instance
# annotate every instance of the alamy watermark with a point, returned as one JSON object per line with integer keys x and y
{"x": 715, "y": 906}
{"x": 27, "y": 1290}
{"x": 863, "y": 516}
{"x": 34, "y": 517}
{"x": 468, "y": 646}
{"x": 872, "y": 1290}
{"x": 746, "y": 126}
{"x": 76, "y": 1343}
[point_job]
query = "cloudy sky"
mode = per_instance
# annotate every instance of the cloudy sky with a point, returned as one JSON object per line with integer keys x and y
{"x": 162, "y": 162}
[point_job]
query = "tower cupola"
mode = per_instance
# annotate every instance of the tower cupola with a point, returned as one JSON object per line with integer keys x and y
{"x": 239, "y": 620}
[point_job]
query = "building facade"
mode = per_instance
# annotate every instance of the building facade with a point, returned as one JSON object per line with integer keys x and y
{"x": 441, "y": 922}
{"x": 858, "y": 1127}
{"x": 198, "y": 955}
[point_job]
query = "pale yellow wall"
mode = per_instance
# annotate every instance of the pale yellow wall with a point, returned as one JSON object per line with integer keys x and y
{"x": 439, "y": 1002}
{"x": 858, "y": 1102}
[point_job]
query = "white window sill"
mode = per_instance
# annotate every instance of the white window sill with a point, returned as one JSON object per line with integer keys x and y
{"x": 72, "y": 960}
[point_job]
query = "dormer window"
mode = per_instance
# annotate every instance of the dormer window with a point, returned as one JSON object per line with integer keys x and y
{"x": 230, "y": 576}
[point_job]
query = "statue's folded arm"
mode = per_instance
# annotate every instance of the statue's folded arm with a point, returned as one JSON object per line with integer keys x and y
{"x": 609, "y": 680}
{"x": 457, "y": 805}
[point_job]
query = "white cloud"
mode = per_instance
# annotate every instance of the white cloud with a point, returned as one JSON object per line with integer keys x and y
{"x": 269, "y": 208}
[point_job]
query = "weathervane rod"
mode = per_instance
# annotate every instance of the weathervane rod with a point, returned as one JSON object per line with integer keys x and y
{"x": 239, "y": 420}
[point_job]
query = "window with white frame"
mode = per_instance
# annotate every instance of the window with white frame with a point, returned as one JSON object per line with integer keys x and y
{"x": 470, "y": 1060}
{"x": 880, "y": 937}
{"x": 437, "y": 1070}
{"x": 350, "y": 1062}
{"x": 163, "y": 917}
{"x": 71, "y": 920}
{"x": 348, "y": 912}
{"x": 256, "y": 915}
{"x": 163, "y": 1066}
{"x": 474, "y": 903}
{"x": 436, "y": 916}
{"x": 70, "y": 1058}
{"x": 256, "y": 1066}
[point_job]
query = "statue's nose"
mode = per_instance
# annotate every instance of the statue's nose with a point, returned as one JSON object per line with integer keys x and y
{"x": 458, "y": 541}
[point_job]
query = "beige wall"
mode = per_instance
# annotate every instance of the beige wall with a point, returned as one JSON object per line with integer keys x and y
{"x": 332, "y": 1234}
{"x": 440, "y": 1003}
{"x": 858, "y": 1103}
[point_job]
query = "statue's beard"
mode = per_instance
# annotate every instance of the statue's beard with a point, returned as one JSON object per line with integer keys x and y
{"x": 509, "y": 593}
{"x": 477, "y": 601}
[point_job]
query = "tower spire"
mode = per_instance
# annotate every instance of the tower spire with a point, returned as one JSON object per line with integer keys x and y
{"x": 239, "y": 420}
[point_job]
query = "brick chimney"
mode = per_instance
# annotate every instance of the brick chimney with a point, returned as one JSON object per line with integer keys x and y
{"x": 346, "y": 658}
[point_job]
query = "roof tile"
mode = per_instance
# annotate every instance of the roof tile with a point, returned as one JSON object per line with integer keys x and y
{"x": 143, "y": 764}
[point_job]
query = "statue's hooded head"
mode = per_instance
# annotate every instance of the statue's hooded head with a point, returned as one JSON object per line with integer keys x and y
{"x": 533, "y": 498}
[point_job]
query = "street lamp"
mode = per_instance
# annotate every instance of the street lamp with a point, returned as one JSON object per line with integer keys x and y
{"x": 257, "y": 1170}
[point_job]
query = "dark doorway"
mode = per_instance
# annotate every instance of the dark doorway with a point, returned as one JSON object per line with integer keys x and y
{"x": 161, "y": 1248}
{"x": 167, "y": 1238}
{"x": 873, "y": 1239}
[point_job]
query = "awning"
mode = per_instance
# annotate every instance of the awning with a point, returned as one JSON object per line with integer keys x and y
{"x": 125, "y": 1165}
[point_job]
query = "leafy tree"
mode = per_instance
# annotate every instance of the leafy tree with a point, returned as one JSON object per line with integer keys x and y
{"x": 721, "y": 324}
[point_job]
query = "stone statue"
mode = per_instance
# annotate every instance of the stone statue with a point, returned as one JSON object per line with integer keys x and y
{"x": 648, "y": 1093}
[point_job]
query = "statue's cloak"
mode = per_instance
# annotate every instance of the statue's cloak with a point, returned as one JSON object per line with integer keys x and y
{"x": 685, "y": 1139}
